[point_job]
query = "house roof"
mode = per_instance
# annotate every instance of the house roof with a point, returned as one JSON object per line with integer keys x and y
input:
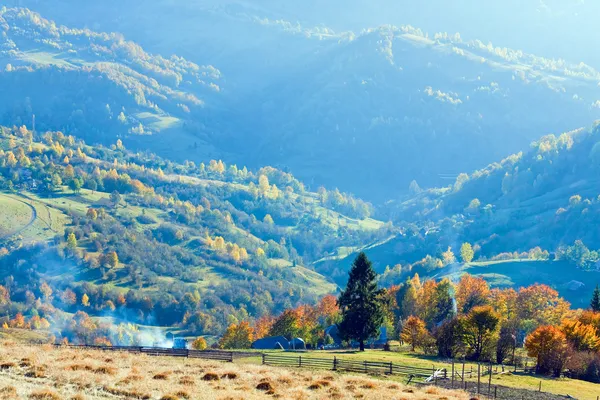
{"x": 270, "y": 343}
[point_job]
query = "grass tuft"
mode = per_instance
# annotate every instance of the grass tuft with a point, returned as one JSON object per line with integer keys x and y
{"x": 134, "y": 394}
{"x": 210, "y": 376}
{"x": 106, "y": 370}
{"x": 162, "y": 376}
{"x": 187, "y": 381}
{"x": 229, "y": 375}
{"x": 44, "y": 394}
{"x": 7, "y": 365}
{"x": 266, "y": 386}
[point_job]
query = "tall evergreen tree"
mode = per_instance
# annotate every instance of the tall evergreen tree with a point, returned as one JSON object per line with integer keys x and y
{"x": 595, "y": 303}
{"x": 361, "y": 303}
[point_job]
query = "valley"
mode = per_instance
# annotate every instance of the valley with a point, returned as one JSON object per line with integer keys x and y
{"x": 225, "y": 171}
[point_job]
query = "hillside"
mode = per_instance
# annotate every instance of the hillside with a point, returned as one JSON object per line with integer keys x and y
{"x": 375, "y": 100}
{"x": 141, "y": 239}
{"x": 97, "y": 85}
{"x": 530, "y": 219}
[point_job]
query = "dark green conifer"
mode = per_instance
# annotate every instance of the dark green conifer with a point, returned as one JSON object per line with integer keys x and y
{"x": 361, "y": 303}
{"x": 595, "y": 303}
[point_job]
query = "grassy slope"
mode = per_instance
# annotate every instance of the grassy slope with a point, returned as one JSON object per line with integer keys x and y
{"x": 51, "y": 219}
{"x": 562, "y": 386}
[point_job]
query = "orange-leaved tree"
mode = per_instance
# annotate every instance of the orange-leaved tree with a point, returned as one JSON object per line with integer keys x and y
{"x": 549, "y": 345}
{"x": 471, "y": 292}
{"x": 582, "y": 337}
{"x": 542, "y": 304}
{"x": 237, "y": 336}
{"x": 199, "y": 343}
{"x": 414, "y": 332}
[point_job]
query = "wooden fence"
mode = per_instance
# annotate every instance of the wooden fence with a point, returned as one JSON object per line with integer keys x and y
{"x": 367, "y": 367}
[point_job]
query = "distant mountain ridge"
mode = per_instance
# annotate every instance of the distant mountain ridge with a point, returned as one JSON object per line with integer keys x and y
{"x": 366, "y": 112}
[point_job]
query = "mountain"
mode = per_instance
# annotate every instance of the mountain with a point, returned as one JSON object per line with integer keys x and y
{"x": 530, "y": 219}
{"x": 95, "y": 85}
{"x": 141, "y": 239}
{"x": 367, "y": 111}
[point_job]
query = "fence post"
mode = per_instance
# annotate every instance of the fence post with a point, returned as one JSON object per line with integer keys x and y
{"x": 334, "y": 363}
{"x": 452, "y": 384}
{"x": 463, "y": 375}
{"x": 490, "y": 380}
{"x": 391, "y": 368}
{"x": 263, "y": 358}
{"x": 478, "y": 377}
{"x": 231, "y": 356}
{"x": 540, "y": 386}
{"x": 366, "y": 369}
{"x": 495, "y": 391}
{"x": 299, "y": 361}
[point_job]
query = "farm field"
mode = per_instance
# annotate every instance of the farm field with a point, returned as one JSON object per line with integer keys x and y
{"x": 27, "y": 372}
{"x": 29, "y": 218}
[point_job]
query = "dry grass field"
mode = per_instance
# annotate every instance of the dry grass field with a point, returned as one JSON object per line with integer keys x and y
{"x": 48, "y": 373}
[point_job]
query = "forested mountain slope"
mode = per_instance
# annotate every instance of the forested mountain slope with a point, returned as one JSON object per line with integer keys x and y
{"x": 547, "y": 197}
{"x": 142, "y": 239}
{"x": 95, "y": 85}
{"x": 366, "y": 111}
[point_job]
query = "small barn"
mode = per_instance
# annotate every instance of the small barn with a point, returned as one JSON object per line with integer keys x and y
{"x": 297, "y": 344}
{"x": 271, "y": 343}
{"x": 334, "y": 333}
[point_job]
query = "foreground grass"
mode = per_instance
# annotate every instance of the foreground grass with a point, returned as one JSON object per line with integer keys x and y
{"x": 44, "y": 372}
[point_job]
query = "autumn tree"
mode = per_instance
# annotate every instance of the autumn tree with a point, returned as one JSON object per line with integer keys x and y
{"x": 471, "y": 292}
{"x": 68, "y": 297}
{"x": 541, "y": 304}
{"x": 414, "y": 332}
{"x": 360, "y": 303}
{"x": 466, "y": 252}
{"x": 4, "y": 296}
{"x": 448, "y": 256}
{"x": 479, "y": 331}
{"x": 111, "y": 259}
{"x": 262, "y": 326}
{"x": 85, "y": 300}
{"x": 287, "y": 324}
{"x": 199, "y": 343}
{"x": 582, "y": 337}
{"x": 237, "y": 336}
{"x": 46, "y": 291}
{"x": 327, "y": 310}
{"x": 92, "y": 214}
{"x": 71, "y": 242}
{"x": 548, "y": 344}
